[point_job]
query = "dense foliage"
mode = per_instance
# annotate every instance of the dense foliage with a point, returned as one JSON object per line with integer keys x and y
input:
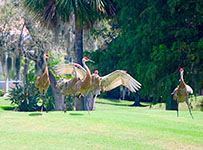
{"x": 155, "y": 40}
{"x": 1, "y": 92}
{"x": 27, "y": 96}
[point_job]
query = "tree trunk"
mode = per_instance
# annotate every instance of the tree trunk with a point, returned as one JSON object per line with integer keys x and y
{"x": 59, "y": 98}
{"x": 79, "y": 104}
{"x": 86, "y": 103}
{"x": 25, "y": 71}
{"x": 171, "y": 104}
{"x": 137, "y": 101}
{"x": 91, "y": 101}
{"x": 78, "y": 50}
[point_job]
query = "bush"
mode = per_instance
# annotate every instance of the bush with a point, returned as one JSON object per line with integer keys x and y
{"x": 28, "y": 98}
{"x": 201, "y": 105}
{"x": 49, "y": 100}
{"x": 1, "y": 92}
{"x": 25, "y": 96}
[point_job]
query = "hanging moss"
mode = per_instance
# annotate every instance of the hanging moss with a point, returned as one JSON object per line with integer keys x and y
{"x": 3, "y": 60}
{"x": 17, "y": 66}
{"x": 9, "y": 63}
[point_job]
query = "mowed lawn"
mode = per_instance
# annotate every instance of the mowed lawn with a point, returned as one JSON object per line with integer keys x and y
{"x": 113, "y": 126}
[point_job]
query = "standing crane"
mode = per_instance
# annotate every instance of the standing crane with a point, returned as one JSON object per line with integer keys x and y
{"x": 181, "y": 92}
{"x": 113, "y": 80}
{"x": 43, "y": 82}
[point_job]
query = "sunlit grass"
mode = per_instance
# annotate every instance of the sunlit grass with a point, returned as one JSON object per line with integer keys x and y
{"x": 113, "y": 126}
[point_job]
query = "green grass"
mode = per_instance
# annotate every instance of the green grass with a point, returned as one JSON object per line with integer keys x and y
{"x": 113, "y": 126}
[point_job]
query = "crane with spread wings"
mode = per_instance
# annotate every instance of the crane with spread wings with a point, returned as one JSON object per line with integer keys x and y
{"x": 113, "y": 80}
{"x": 84, "y": 78}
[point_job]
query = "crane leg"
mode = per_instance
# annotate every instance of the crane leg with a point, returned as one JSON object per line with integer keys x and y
{"x": 188, "y": 104}
{"x": 43, "y": 100}
{"x": 65, "y": 109}
{"x": 177, "y": 110}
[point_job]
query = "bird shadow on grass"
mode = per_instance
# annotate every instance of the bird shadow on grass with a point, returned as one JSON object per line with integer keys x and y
{"x": 35, "y": 114}
{"x": 76, "y": 114}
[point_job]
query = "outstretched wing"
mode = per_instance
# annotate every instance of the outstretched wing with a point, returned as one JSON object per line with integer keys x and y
{"x": 189, "y": 89}
{"x": 117, "y": 78}
{"x": 69, "y": 69}
{"x": 175, "y": 90}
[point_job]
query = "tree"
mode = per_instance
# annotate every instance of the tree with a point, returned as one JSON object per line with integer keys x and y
{"x": 19, "y": 34}
{"x": 157, "y": 38}
{"x": 52, "y": 12}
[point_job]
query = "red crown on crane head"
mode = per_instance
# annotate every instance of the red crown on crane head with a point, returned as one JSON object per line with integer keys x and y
{"x": 76, "y": 65}
{"x": 85, "y": 58}
{"x": 181, "y": 69}
{"x": 96, "y": 72}
{"x": 47, "y": 55}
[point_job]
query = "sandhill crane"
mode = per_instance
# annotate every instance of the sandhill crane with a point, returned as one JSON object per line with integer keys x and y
{"x": 83, "y": 85}
{"x": 43, "y": 82}
{"x": 113, "y": 80}
{"x": 181, "y": 92}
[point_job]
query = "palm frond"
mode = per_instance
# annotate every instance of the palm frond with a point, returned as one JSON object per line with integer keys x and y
{"x": 49, "y": 12}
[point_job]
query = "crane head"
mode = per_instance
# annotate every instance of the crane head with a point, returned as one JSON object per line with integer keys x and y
{"x": 87, "y": 59}
{"x": 46, "y": 55}
{"x": 96, "y": 72}
{"x": 181, "y": 70}
{"x": 76, "y": 65}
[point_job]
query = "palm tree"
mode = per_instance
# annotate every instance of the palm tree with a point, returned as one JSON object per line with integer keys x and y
{"x": 85, "y": 12}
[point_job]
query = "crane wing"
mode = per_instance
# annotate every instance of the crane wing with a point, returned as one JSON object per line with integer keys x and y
{"x": 175, "y": 90}
{"x": 69, "y": 69}
{"x": 189, "y": 89}
{"x": 117, "y": 78}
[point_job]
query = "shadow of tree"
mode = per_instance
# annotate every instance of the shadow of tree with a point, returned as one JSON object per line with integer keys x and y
{"x": 114, "y": 103}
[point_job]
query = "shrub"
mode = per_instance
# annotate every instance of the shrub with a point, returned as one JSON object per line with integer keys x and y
{"x": 49, "y": 100}
{"x": 25, "y": 96}
{"x": 28, "y": 98}
{"x": 201, "y": 105}
{"x": 1, "y": 92}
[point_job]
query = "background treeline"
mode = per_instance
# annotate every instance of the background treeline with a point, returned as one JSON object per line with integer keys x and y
{"x": 156, "y": 38}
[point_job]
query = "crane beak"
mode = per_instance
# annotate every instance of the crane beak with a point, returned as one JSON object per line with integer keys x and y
{"x": 91, "y": 60}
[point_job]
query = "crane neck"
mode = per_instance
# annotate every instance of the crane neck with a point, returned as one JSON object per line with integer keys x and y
{"x": 46, "y": 66}
{"x": 76, "y": 75}
{"x": 86, "y": 68}
{"x": 181, "y": 77}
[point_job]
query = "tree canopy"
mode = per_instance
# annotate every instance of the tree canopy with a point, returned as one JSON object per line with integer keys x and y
{"x": 157, "y": 38}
